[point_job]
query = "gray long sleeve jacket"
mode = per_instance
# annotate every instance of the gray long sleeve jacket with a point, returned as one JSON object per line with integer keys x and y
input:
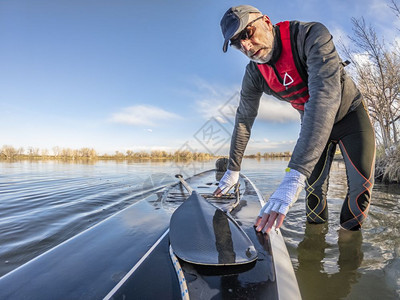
{"x": 332, "y": 95}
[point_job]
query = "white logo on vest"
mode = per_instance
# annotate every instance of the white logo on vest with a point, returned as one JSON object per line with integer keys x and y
{"x": 287, "y": 80}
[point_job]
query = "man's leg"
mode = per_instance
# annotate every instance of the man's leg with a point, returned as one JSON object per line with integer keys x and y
{"x": 358, "y": 150}
{"x": 317, "y": 187}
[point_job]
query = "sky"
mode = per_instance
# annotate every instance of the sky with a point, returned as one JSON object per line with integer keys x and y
{"x": 117, "y": 75}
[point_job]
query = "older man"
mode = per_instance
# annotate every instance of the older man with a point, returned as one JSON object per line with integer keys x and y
{"x": 297, "y": 62}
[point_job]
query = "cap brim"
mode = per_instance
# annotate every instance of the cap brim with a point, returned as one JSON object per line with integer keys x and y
{"x": 242, "y": 25}
{"x": 234, "y": 21}
{"x": 225, "y": 46}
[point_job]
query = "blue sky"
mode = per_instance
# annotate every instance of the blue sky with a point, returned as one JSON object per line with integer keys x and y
{"x": 118, "y": 74}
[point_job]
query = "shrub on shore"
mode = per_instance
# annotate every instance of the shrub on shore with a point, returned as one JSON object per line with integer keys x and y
{"x": 387, "y": 166}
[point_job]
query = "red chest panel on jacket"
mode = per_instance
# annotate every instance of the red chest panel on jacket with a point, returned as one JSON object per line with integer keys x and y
{"x": 283, "y": 78}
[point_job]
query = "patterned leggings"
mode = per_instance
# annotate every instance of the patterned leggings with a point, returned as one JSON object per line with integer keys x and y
{"x": 356, "y": 139}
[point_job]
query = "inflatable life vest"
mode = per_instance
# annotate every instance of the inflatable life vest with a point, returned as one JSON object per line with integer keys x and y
{"x": 283, "y": 77}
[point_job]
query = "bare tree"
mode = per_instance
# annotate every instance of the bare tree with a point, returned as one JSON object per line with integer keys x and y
{"x": 119, "y": 155}
{"x": 87, "y": 153}
{"x": 67, "y": 153}
{"x": 8, "y": 151}
{"x": 129, "y": 153}
{"x": 376, "y": 70}
{"x": 20, "y": 151}
{"x": 33, "y": 152}
{"x": 44, "y": 153}
{"x": 395, "y": 7}
{"x": 56, "y": 151}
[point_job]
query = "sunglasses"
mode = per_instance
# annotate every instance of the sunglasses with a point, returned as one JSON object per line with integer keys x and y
{"x": 245, "y": 34}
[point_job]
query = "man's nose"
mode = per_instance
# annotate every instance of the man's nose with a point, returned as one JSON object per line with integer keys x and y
{"x": 246, "y": 45}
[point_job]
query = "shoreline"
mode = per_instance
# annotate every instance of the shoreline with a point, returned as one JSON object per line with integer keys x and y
{"x": 8, "y": 152}
{"x": 387, "y": 165}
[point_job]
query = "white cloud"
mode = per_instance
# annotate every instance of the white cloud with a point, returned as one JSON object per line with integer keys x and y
{"x": 340, "y": 37}
{"x": 395, "y": 45}
{"x": 272, "y": 110}
{"x": 221, "y": 103}
{"x": 142, "y": 115}
{"x": 266, "y": 145}
{"x": 279, "y": 144}
{"x": 136, "y": 148}
{"x": 216, "y": 101}
{"x": 361, "y": 58}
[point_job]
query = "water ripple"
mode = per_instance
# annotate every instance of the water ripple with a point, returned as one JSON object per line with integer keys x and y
{"x": 45, "y": 203}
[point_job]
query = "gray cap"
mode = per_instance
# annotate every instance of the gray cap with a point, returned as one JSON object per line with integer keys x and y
{"x": 234, "y": 21}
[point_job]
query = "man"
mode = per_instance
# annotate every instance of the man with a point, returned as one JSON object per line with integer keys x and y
{"x": 297, "y": 62}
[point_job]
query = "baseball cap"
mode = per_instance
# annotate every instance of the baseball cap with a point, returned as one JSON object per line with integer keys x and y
{"x": 234, "y": 21}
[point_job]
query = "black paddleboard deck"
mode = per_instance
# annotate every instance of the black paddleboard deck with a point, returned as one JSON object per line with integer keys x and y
{"x": 201, "y": 233}
{"x": 90, "y": 264}
{"x": 254, "y": 280}
{"x": 249, "y": 281}
{"x": 127, "y": 257}
{"x": 156, "y": 277}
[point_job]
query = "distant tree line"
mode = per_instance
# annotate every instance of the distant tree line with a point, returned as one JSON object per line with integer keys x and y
{"x": 270, "y": 154}
{"x": 9, "y": 152}
{"x": 159, "y": 154}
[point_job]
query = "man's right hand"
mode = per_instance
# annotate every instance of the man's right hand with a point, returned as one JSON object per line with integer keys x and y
{"x": 227, "y": 181}
{"x": 281, "y": 200}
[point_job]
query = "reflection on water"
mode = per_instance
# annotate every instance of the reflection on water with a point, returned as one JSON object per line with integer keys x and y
{"x": 44, "y": 203}
{"x": 311, "y": 273}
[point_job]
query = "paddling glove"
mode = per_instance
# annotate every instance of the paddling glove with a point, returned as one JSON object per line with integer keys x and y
{"x": 227, "y": 181}
{"x": 286, "y": 194}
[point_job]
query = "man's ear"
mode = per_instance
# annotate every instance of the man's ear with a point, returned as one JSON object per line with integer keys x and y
{"x": 267, "y": 20}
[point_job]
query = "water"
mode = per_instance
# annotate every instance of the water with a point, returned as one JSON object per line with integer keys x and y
{"x": 45, "y": 203}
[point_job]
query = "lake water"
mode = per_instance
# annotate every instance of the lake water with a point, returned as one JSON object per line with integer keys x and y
{"x": 43, "y": 203}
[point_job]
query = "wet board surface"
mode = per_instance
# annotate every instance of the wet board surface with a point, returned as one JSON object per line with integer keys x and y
{"x": 251, "y": 281}
{"x": 90, "y": 264}
{"x": 127, "y": 257}
{"x": 156, "y": 277}
{"x": 200, "y": 233}
{"x": 256, "y": 280}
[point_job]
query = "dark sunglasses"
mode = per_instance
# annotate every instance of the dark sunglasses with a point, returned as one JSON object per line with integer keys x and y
{"x": 245, "y": 34}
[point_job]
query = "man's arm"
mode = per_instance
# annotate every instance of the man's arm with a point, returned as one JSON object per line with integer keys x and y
{"x": 323, "y": 68}
{"x": 245, "y": 115}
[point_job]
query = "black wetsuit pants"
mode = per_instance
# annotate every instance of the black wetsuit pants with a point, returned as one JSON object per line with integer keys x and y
{"x": 356, "y": 138}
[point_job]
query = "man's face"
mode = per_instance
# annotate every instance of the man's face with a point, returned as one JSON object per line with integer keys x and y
{"x": 259, "y": 44}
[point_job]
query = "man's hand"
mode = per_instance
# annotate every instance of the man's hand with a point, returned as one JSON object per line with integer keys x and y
{"x": 281, "y": 200}
{"x": 227, "y": 181}
{"x": 266, "y": 222}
